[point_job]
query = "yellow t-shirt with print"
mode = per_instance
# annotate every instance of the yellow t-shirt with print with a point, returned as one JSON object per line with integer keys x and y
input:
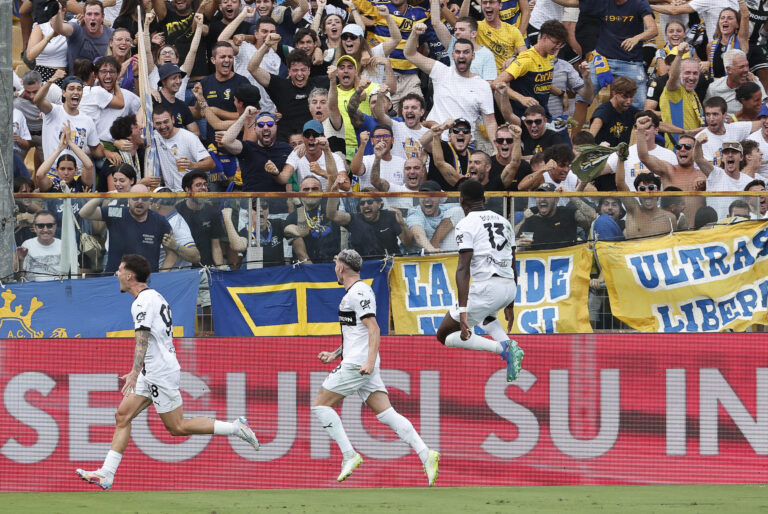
{"x": 350, "y": 138}
{"x": 502, "y": 41}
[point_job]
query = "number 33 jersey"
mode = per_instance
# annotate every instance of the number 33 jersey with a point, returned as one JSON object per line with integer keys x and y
{"x": 151, "y": 312}
{"x": 491, "y": 239}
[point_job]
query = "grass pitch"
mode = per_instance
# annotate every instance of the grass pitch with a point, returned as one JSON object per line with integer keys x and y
{"x": 448, "y": 500}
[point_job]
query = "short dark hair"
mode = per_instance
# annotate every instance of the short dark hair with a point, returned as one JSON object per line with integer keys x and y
{"x": 126, "y": 169}
{"x": 43, "y": 212}
{"x": 220, "y": 44}
{"x": 302, "y": 33}
{"x": 381, "y": 126}
{"x": 189, "y": 177}
{"x": 93, "y": 2}
{"x": 704, "y": 216}
{"x": 756, "y": 182}
{"x": 138, "y": 265}
{"x": 83, "y": 68}
{"x": 470, "y": 20}
{"x": 472, "y": 191}
{"x": 464, "y": 41}
{"x": 583, "y": 137}
{"x": 412, "y": 96}
{"x": 624, "y": 86}
{"x": 122, "y": 127}
{"x": 647, "y": 178}
{"x": 66, "y": 157}
{"x": 559, "y": 153}
{"x": 159, "y": 109}
{"x": 747, "y": 147}
{"x": 717, "y": 102}
{"x": 554, "y": 29}
{"x": 537, "y": 159}
{"x": 264, "y": 20}
{"x": 746, "y": 90}
{"x": 299, "y": 56}
{"x": 737, "y": 204}
{"x": 535, "y": 109}
{"x": 654, "y": 117}
{"x": 18, "y": 182}
{"x": 485, "y": 156}
{"x": 107, "y": 60}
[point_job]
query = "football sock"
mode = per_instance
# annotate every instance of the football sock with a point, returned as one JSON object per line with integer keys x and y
{"x": 224, "y": 428}
{"x": 405, "y": 431}
{"x": 475, "y": 342}
{"x": 111, "y": 462}
{"x": 495, "y": 330}
{"x": 332, "y": 424}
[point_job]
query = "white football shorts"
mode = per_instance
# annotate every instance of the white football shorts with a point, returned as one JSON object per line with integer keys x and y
{"x": 165, "y": 394}
{"x": 486, "y": 298}
{"x": 346, "y": 379}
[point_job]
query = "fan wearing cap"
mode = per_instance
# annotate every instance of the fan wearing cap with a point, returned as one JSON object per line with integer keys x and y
{"x": 178, "y": 149}
{"x": 185, "y": 246}
{"x": 170, "y": 79}
{"x": 432, "y": 222}
{"x": 718, "y": 131}
{"x": 133, "y": 229}
{"x": 450, "y": 160}
{"x": 374, "y": 62}
{"x": 727, "y": 178}
{"x": 317, "y": 161}
{"x": 290, "y": 95}
{"x": 761, "y": 136}
{"x": 56, "y": 116}
{"x": 373, "y": 231}
{"x": 458, "y": 93}
{"x": 87, "y": 41}
{"x": 553, "y": 226}
{"x": 353, "y": 95}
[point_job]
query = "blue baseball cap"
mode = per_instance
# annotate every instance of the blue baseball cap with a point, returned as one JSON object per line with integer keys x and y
{"x": 69, "y": 79}
{"x": 763, "y": 110}
{"x": 313, "y": 125}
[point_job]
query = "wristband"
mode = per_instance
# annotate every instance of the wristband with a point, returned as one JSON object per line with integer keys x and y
{"x": 178, "y": 247}
{"x": 462, "y": 310}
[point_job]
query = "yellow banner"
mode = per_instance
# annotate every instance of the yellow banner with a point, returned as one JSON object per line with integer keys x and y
{"x": 699, "y": 281}
{"x": 551, "y": 297}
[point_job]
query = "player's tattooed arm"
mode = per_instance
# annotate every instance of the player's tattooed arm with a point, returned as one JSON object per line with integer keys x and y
{"x": 142, "y": 343}
{"x": 327, "y": 357}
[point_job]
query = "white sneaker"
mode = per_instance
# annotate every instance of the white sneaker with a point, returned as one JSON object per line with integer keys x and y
{"x": 430, "y": 467}
{"x": 93, "y": 477}
{"x": 348, "y": 466}
{"x": 245, "y": 433}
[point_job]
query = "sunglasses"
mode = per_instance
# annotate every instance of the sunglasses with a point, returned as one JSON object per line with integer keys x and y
{"x": 459, "y": 130}
{"x": 537, "y": 121}
{"x": 680, "y": 146}
{"x": 45, "y": 225}
{"x": 367, "y": 202}
{"x": 309, "y": 133}
{"x": 348, "y": 37}
{"x": 262, "y": 124}
{"x": 643, "y": 189}
{"x": 507, "y": 140}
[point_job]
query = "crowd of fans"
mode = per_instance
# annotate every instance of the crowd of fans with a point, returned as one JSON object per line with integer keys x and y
{"x": 379, "y": 96}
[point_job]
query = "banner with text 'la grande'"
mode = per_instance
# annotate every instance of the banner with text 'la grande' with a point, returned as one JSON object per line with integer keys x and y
{"x": 700, "y": 281}
{"x": 289, "y": 301}
{"x": 551, "y": 295}
{"x": 92, "y": 307}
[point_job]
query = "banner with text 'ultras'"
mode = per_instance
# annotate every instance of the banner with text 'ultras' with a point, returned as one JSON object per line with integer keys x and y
{"x": 289, "y": 301}
{"x": 551, "y": 295}
{"x": 91, "y": 308}
{"x": 701, "y": 281}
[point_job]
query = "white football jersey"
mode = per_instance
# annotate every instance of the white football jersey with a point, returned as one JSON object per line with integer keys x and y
{"x": 491, "y": 239}
{"x": 151, "y": 312}
{"x": 359, "y": 303}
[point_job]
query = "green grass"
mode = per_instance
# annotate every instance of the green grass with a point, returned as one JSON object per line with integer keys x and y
{"x": 719, "y": 499}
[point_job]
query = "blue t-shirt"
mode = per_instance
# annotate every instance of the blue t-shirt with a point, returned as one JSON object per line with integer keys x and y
{"x": 221, "y": 95}
{"x": 619, "y": 23}
{"x": 252, "y": 159}
{"x": 126, "y": 235}
{"x": 617, "y": 126}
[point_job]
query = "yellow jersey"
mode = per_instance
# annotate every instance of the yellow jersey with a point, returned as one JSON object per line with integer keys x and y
{"x": 502, "y": 41}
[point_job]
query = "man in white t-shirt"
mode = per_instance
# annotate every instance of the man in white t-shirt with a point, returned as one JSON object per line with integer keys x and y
{"x": 761, "y": 136}
{"x": 718, "y": 131}
{"x": 486, "y": 255}
{"x": 406, "y": 134}
{"x": 359, "y": 371}
{"x": 39, "y": 257}
{"x": 22, "y": 139}
{"x": 458, "y": 93}
{"x": 315, "y": 157}
{"x": 391, "y": 167}
{"x": 728, "y": 178}
{"x": 633, "y": 166}
{"x": 484, "y": 63}
{"x": 179, "y": 150}
{"x": 56, "y": 116}
{"x": 737, "y": 74}
{"x": 414, "y": 175}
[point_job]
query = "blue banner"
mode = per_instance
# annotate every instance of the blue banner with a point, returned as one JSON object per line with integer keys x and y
{"x": 289, "y": 301}
{"x": 92, "y": 308}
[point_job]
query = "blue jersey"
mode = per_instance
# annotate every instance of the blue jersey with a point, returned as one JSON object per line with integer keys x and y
{"x": 130, "y": 236}
{"x": 621, "y": 22}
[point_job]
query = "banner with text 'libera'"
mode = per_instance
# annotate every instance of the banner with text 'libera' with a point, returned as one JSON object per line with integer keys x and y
{"x": 551, "y": 295}
{"x": 289, "y": 300}
{"x": 91, "y": 308}
{"x": 701, "y": 281}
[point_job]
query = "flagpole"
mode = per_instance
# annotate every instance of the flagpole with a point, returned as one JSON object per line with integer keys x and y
{"x": 150, "y": 150}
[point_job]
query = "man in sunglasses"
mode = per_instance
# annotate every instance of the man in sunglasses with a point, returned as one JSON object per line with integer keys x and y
{"x": 728, "y": 178}
{"x": 536, "y": 136}
{"x": 644, "y": 216}
{"x": 449, "y": 160}
{"x": 313, "y": 236}
{"x": 39, "y": 256}
{"x": 317, "y": 160}
{"x": 633, "y": 166}
{"x": 682, "y": 175}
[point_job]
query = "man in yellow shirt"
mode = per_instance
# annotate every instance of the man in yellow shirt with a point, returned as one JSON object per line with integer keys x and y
{"x": 353, "y": 88}
{"x": 679, "y": 103}
{"x": 503, "y": 39}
